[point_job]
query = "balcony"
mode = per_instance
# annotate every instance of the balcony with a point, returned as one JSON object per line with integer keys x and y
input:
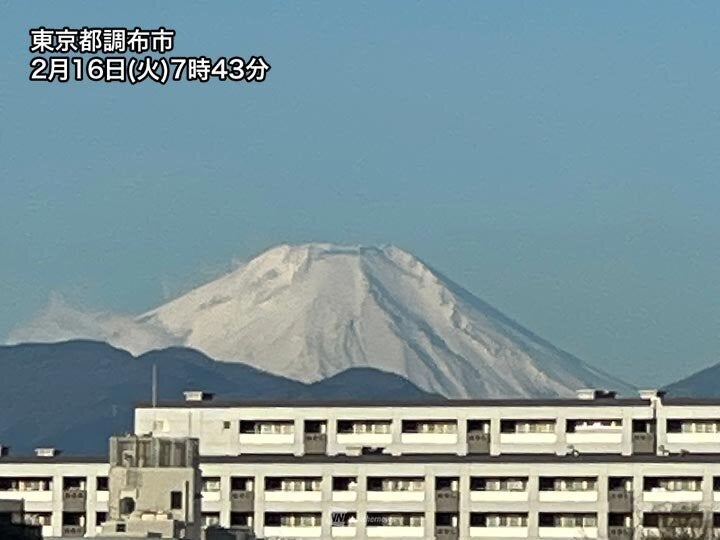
{"x": 287, "y": 531}
{"x": 447, "y": 500}
{"x": 315, "y": 443}
{"x": 503, "y": 489}
{"x": 74, "y": 500}
{"x": 643, "y": 437}
{"x": 620, "y": 500}
{"x": 446, "y": 532}
{"x": 664, "y": 496}
{"x": 344, "y": 525}
{"x": 432, "y": 432}
{"x": 499, "y": 532}
{"x": 242, "y": 501}
{"x": 292, "y": 525}
{"x": 315, "y": 437}
{"x": 28, "y": 496}
{"x": 395, "y": 531}
{"x": 568, "y": 532}
{"x": 293, "y": 496}
{"x": 73, "y": 530}
{"x": 395, "y": 525}
{"x": 478, "y": 442}
{"x": 396, "y": 496}
{"x": 344, "y": 496}
{"x": 29, "y": 489}
{"x": 607, "y": 432}
{"x": 620, "y": 533}
{"x": 567, "y": 525}
{"x": 344, "y": 489}
{"x": 672, "y": 489}
{"x": 267, "y": 432}
{"x": 293, "y": 489}
{"x": 395, "y": 489}
{"x": 693, "y": 432}
{"x": 528, "y": 433}
{"x": 344, "y": 531}
{"x": 498, "y": 525}
{"x": 364, "y": 432}
{"x": 568, "y": 489}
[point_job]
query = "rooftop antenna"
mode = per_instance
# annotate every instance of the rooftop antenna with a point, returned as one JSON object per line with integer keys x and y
{"x": 154, "y": 386}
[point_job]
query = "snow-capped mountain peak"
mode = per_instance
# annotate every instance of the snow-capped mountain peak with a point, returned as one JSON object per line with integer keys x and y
{"x": 310, "y": 311}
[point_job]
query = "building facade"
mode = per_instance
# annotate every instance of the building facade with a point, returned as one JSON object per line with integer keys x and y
{"x": 592, "y": 467}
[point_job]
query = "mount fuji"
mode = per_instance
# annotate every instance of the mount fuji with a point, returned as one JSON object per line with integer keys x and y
{"x": 308, "y": 312}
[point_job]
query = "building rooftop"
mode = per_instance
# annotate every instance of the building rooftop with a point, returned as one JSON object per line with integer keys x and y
{"x": 56, "y": 459}
{"x": 439, "y": 402}
{"x": 471, "y": 458}
{"x": 431, "y": 402}
{"x": 404, "y": 458}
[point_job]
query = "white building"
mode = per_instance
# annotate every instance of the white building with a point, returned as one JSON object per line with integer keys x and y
{"x": 592, "y": 467}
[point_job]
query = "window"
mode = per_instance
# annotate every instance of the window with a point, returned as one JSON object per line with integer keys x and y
{"x": 429, "y": 426}
{"x": 568, "y": 484}
{"x": 527, "y": 426}
{"x": 498, "y": 484}
{"x": 25, "y": 484}
{"x": 210, "y": 519}
{"x": 38, "y": 518}
{"x": 275, "y": 519}
{"x": 226, "y": 424}
{"x": 241, "y": 483}
{"x": 267, "y": 427}
{"x": 506, "y": 520}
{"x": 693, "y": 426}
{"x": 446, "y": 483}
{"x": 361, "y": 427}
{"x": 395, "y": 520}
{"x": 482, "y": 426}
{"x": 292, "y": 484}
{"x": 211, "y": 483}
{"x": 344, "y": 483}
{"x": 395, "y": 484}
{"x": 672, "y": 484}
{"x": 240, "y": 519}
{"x": 535, "y": 427}
{"x": 568, "y": 520}
{"x": 102, "y": 483}
{"x": 175, "y": 500}
{"x": 594, "y": 426}
{"x": 315, "y": 426}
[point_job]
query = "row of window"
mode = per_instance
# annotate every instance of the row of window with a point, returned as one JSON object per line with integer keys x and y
{"x": 45, "y": 483}
{"x": 67, "y": 518}
{"x": 600, "y": 425}
{"x": 583, "y": 520}
{"x": 477, "y": 483}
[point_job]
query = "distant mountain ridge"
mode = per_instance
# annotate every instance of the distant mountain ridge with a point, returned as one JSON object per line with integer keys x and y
{"x": 702, "y": 384}
{"x": 311, "y": 311}
{"x": 74, "y": 395}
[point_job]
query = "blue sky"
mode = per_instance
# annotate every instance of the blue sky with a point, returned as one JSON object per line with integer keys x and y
{"x": 560, "y": 160}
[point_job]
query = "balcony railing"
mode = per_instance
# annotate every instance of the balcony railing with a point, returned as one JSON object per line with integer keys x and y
{"x": 620, "y": 501}
{"x": 73, "y": 530}
{"x": 447, "y": 500}
{"x": 242, "y": 501}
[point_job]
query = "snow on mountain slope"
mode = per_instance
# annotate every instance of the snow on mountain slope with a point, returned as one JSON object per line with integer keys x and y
{"x": 310, "y": 311}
